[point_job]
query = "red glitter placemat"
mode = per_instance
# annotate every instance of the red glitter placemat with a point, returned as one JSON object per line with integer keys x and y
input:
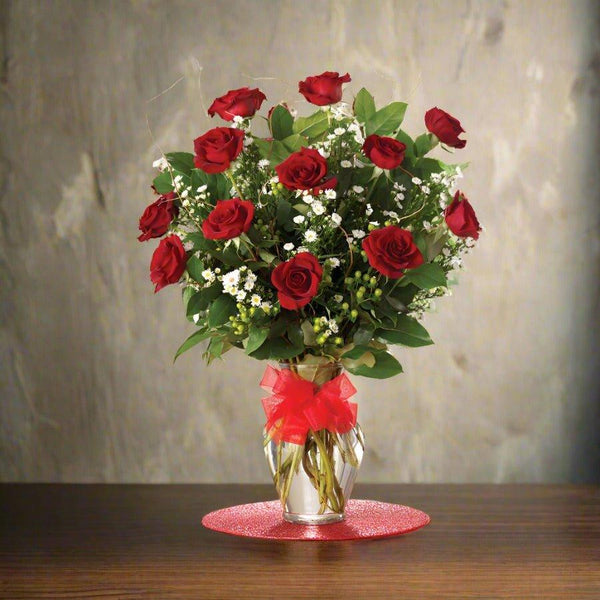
{"x": 365, "y": 519}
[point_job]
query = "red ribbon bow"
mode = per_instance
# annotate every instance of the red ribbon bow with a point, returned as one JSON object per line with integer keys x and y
{"x": 298, "y": 405}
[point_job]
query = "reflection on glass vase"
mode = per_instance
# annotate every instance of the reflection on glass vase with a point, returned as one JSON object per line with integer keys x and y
{"x": 314, "y": 480}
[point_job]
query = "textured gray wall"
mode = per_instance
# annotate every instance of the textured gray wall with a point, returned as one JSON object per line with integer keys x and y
{"x": 89, "y": 392}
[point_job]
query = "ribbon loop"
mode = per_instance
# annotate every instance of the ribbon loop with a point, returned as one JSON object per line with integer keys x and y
{"x": 297, "y": 405}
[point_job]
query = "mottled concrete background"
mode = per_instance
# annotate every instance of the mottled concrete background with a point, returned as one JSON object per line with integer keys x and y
{"x": 89, "y": 392}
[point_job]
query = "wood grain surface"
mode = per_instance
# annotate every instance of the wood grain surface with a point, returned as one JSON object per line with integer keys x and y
{"x": 146, "y": 541}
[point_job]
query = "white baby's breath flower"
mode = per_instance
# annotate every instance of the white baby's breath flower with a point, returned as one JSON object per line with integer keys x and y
{"x": 339, "y": 131}
{"x": 374, "y": 223}
{"x": 369, "y": 210}
{"x": 324, "y": 153}
{"x": 237, "y": 119}
{"x": 301, "y": 249}
{"x": 308, "y": 198}
{"x": 310, "y": 235}
{"x": 208, "y": 275}
{"x": 298, "y": 219}
{"x": 185, "y": 193}
{"x": 248, "y": 141}
{"x": 416, "y": 181}
{"x": 161, "y": 164}
{"x": 201, "y": 189}
{"x": 359, "y": 234}
{"x": 330, "y": 194}
{"x": 196, "y": 318}
{"x": 357, "y": 163}
{"x": 346, "y": 164}
{"x": 263, "y": 163}
{"x": 336, "y": 219}
{"x": 425, "y": 189}
{"x": 317, "y": 207}
{"x": 185, "y": 203}
{"x": 350, "y": 240}
{"x": 241, "y": 296}
{"x": 334, "y": 262}
{"x": 338, "y": 298}
{"x": 333, "y": 326}
{"x": 255, "y": 300}
{"x": 288, "y": 247}
{"x": 358, "y": 189}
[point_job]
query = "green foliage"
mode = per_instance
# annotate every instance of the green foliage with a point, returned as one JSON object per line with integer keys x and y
{"x": 364, "y": 106}
{"x": 281, "y": 122}
{"x": 408, "y": 332}
{"x": 192, "y": 341}
{"x": 312, "y": 127}
{"x": 387, "y": 119}
{"x": 183, "y": 162}
{"x": 220, "y": 310}
{"x": 426, "y": 276}
{"x": 163, "y": 184}
{"x": 385, "y": 366}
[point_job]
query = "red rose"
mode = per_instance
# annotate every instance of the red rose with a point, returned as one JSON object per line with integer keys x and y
{"x": 168, "y": 262}
{"x": 297, "y": 280}
{"x": 237, "y": 103}
{"x": 302, "y": 170}
{"x": 228, "y": 219}
{"x": 391, "y": 250}
{"x": 323, "y": 89}
{"x": 445, "y": 127}
{"x": 385, "y": 152}
{"x": 157, "y": 217}
{"x": 217, "y": 148}
{"x": 461, "y": 218}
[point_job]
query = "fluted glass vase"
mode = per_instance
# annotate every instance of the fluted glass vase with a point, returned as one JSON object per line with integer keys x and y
{"x": 314, "y": 480}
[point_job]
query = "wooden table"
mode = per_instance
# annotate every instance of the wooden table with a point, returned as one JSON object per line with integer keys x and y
{"x": 146, "y": 541}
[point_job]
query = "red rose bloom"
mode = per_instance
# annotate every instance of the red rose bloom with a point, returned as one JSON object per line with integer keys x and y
{"x": 385, "y": 152}
{"x": 445, "y": 127}
{"x": 297, "y": 280}
{"x": 157, "y": 217}
{"x": 237, "y": 103}
{"x": 217, "y": 148}
{"x": 391, "y": 250}
{"x": 323, "y": 89}
{"x": 228, "y": 219}
{"x": 461, "y": 218}
{"x": 168, "y": 262}
{"x": 303, "y": 170}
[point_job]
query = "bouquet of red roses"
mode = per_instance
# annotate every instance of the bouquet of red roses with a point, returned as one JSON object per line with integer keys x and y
{"x": 323, "y": 242}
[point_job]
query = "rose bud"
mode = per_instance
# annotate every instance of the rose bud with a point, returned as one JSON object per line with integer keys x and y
{"x": 445, "y": 127}
{"x": 217, "y": 148}
{"x": 323, "y": 89}
{"x": 157, "y": 217}
{"x": 391, "y": 251}
{"x": 168, "y": 262}
{"x": 460, "y": 217}
{"x": 228, "y": 219}
{"x": 384, "y": 152}
{"x": 237, "y": 103}
{"x": 297, "y": 280}
{"x": 304, "y": 170}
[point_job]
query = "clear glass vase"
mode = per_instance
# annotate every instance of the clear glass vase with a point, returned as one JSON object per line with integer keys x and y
{"x": 314, "y": 480}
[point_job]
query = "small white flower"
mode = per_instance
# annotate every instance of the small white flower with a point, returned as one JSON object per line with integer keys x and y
{"x": 208, "y": 275}
{"x": 301, "y": 249}
{"x": 459, "y": 173}
{"x": 298, "y": 219}
{"x": 346, "y": 164}
{"x": 359, "y": 234}
{"x": 470, "y": 242}
{"x": 255, "y": 300}
{"x": 333, "y": 326}
{"x": 357, "y": 163}
{"x": 334, "y": 262}
{"x": 317, "y": 207}
{"x": 201, "y": 189}
{"x": 339, "y": 131}
{"x": 336, "y": 219}
{"x": 331, "y": 136}
{"x": 416, "y": 181}
{"x": 446, "y": 252}
{"x": 369, "y": 210}
{"x": 238, "y": 119}
{"x": 310, "y": 235}
{"x": 425, "y": 189}
{"x": 308, "y": 199}
{"x": 185, "y": 193}
{"x": 399, "y": 197}
{"x": 358, "y": 189}
{"x": 338, "y": 298}
{"x": 231, "y": 289}
{"x": 248, "y": 141}
{"x": 427, "y": 225}
{"x": 218, "y": 271}
{"x": 249, "y": 285}
{"x": 241, "y": 295}
{"x": 393, "y": 214}
{"x": 455, "y": 262}
{"x": 374, "y": 223}
{"x": 161, "y": 164}
{"x": 350, "y": 240}
{"x": 330, "y": 194}
{"x": 185, "y": 203}
{"x": 231, "y": 279}
{"x": 196, "y": 318}
{"x": 288, "y": 247}
{"x": 436, "y": 177}
{"x": 263, "y": 163}
{"x": 323, "y": 152}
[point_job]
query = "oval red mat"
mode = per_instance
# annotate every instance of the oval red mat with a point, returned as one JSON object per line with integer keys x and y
{"x": 365, "y": 519}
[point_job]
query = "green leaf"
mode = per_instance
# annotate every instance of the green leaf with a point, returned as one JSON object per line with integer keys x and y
{"x": 313, "y": 126}
{"x": 408, "y": 332}
{"x": 201, "y": 300}
{"x": 387, "y": 119}
{"x": 194, "y": 267}
{"x": 364, "y": 334}
{"x": 385, "y": 366}
{"x": 423, "y": 144}
{"x": 281, "y": 122}
{"x": 220, "y": 310}
{"x": 284, "y": 210}
{"x": 364, "y": 106}
{"x": 294, "y": 142}
{"x": 266, "y": 256}
{"x": 256, "y": 338}
{"x": 278, "y": 349}
{"x": 216, "y": 346}
{"x": 274, "y": 151}
{"x": 163, "y": 184}
{"x": 181, "y": 161}
{"x": 194, "y": 339}
{"x": 403, "y": 137}
{"x": 295, "y": 334}
{"x": 356, "y": 352}
{"x": 426, "y": 276}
